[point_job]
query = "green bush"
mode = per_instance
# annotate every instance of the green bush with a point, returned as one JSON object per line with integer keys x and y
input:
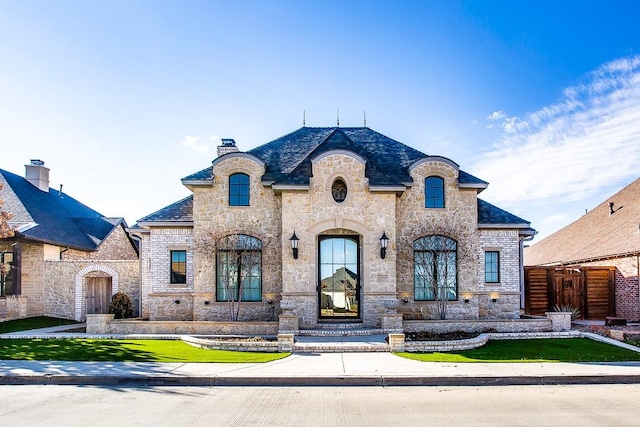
{"x": 120, "y": 306}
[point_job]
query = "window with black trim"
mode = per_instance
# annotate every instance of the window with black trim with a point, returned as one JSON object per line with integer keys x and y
{"x": 434, "y": 192}
{"x": 178, "y": 267}
{"x": 239, "y": 189}
{"x": 435, "y": 264}
{"x": 239, "y": 268}
{"x": 492, "y": 267}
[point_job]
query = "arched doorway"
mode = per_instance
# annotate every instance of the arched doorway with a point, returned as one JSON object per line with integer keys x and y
{"x": 338, "y": 277}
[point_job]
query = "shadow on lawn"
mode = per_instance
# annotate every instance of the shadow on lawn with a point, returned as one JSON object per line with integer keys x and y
{"x": 73, "y": 350}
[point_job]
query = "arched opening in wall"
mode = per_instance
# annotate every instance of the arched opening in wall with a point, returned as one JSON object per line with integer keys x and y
{"x": 99, "y": 287}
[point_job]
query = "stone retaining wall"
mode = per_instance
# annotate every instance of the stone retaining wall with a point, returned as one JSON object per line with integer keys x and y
{"x": 127, "y": 326}
{"x": 507, "y": 325}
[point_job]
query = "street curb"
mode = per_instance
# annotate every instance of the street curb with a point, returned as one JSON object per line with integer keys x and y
{"x": 336, "y": 381}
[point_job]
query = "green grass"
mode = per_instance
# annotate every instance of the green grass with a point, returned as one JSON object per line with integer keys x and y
{"x": 32, "y": 323}
{"x": 534, "y": 350}
{"x": 123, "y": 351}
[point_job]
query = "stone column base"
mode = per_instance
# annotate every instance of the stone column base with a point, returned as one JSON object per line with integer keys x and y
{"x": 285, "y": 343}
{"x": 392, "y": 322}
{"x": 560, "y": 321}
{"x": 396, "y": 342}
{"x": 98, "y": 323}
{"x": 288, "y": 323}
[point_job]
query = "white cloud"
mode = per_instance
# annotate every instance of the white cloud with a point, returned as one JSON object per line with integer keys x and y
{"x": 497, "y": 115}
{"x": 586, "y": 143}
{"x": 193, "y": 143}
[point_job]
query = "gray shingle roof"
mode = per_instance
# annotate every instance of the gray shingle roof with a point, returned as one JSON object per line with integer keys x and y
{"x": 180, "y": 211}
{"x": 493, "y": 215}
{"x": 53, "y": 217}
{"x": 288, "y": 161}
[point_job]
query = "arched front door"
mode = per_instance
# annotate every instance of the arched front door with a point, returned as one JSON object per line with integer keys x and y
{"x": 339, "y": 277}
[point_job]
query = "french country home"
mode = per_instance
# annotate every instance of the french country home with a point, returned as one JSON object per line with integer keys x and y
{"x": 63, "y": 259}
{"x": 331, "y": 225}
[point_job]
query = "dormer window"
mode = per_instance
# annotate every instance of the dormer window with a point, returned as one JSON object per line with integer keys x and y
{"x": 339, "y": 190}
{"x": 239, "y": 189}
{"x": 434, "y": 192}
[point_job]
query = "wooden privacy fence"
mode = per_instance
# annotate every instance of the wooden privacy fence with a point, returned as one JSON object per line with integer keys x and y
{"x": 589, "y": 289}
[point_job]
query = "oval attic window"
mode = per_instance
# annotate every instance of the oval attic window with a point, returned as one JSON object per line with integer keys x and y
{"x": 339, "y": 190}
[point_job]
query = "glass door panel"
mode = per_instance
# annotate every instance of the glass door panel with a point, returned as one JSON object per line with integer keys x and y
{"x": 339, "y": 283}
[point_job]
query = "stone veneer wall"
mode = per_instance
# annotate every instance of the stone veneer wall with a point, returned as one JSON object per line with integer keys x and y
{"x": 458, "y": 220}
{"x": 315, "y": 212}
{"x": 33, "y": 277}
{"x": 60, "y": 296}
{"x": 502, "y": 325}
{"x": 116, "y": 246}
{"x": 214, "y": 219}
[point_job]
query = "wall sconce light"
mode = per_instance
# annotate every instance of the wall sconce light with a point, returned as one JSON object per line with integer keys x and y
{"x": 269, "y": 301}
{"x": 466, "y": 298}
{"x": 384, "y": 242}
{"x": 294, "y": 244}
{"x": 494, "y": 297}
{"x": 177, "y": 301}
{"x": 207, "y": 302}
{"x": 405, "y": 299}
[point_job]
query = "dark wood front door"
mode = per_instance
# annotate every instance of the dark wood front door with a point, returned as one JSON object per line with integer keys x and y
{"x": 569, "y": 288}
{"x": 98, "y": 295}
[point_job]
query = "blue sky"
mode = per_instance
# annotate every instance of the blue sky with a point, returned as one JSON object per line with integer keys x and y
{"x": 121, "y": 99}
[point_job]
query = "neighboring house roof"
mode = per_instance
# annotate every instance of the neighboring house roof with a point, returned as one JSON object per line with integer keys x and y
{"x": 288, "y": 158}
{"x": 53, "y": 217}
{"x": 597, "y": 235}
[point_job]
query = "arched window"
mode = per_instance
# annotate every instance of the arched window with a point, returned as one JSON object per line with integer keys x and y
{"x": 239, "y": 268}
{"x": 435, "y": 261}
{"x": 434, "y": 192}
{"x": 239, "y": 189}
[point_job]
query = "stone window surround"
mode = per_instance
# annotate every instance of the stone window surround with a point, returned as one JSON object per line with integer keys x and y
{"x": 493, "y": 249}
{"x": 444, "y": 190}
{"x": 347, "y": 182}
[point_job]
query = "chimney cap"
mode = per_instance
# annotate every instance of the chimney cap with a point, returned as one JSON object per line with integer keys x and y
{"x": 37, "y": 162}
{"x": 228, "y": 142}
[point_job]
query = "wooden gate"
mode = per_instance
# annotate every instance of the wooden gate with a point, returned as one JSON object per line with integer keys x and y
{"x": 98, "y": 295}
{"x": 589, "y": 289}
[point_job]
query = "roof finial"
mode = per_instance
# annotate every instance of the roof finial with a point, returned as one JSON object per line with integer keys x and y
{"x": 338, "y": 118}
{"x": 304, "y": 118}
{"x": 365, "y": 118}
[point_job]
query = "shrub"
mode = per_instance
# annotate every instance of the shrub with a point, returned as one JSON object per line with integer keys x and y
{"x": 120, "y": 306}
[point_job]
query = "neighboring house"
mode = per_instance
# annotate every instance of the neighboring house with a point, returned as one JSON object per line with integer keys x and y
{"x": 65, "y": 259}
{"x": 344, "y": 223}
{"x": 597, "y": 257}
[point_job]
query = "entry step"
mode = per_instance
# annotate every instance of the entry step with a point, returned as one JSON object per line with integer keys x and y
{"x": 340, "y": 332}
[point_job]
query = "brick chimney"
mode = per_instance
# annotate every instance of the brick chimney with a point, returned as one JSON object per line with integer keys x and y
{"x": 37, "y": 174}
{"x": 228, "y": 146}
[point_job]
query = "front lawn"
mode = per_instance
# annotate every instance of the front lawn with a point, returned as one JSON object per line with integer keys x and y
{"x": 32, "y": 323}
{"x": 123, "y": 351}
{"x": 534, "y": 350}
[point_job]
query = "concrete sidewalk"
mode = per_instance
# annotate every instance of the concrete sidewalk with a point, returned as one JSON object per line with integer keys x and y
{"x": 318, "y": 369}
{"x": 315, "y": 369}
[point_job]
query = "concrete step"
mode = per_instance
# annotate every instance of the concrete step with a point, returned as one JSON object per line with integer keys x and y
{"x": 341, "y": 344}
{"x": 340, "y": 332}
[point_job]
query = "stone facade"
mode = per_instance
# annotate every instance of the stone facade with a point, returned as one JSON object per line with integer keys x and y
{"x": 291, "y": 286}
